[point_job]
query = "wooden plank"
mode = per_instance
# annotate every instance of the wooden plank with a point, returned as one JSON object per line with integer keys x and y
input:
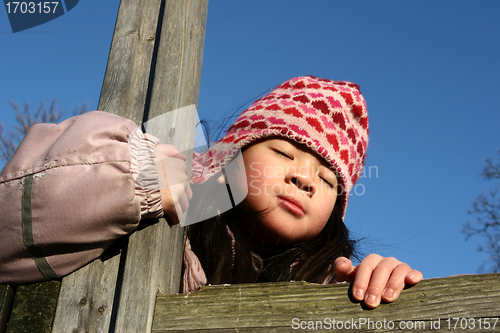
{"x": 126, "y": 85}
{"x": 87, "y": 299}
{"x": 154, "y": 258}
{"x": 34, "y": 307}
{"x": 142, "y": 53}
{"x": 272, "y": 307}
{"x": 6, "y": 297}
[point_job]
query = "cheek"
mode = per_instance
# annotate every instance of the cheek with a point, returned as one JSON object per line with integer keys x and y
{"x": 253, "y": 173}
{"x": 319, "y": 223}
{"x": 256, "y": 199}
{"x": 323, "y": 213}
{"x": 260, "y": 181}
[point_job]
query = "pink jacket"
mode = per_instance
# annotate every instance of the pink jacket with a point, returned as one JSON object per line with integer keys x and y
{"x": 69, "y": 191}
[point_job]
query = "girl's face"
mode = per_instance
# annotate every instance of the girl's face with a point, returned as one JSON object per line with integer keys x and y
{"x": 295, "y": 188}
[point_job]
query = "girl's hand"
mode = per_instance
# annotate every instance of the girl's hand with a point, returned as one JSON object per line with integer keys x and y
{"x": 376, "y": 278}
{"x": 175, "y": 189}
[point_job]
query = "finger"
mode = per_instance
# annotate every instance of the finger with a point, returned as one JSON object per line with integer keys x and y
{"x": 189, "y": 192}
{"x": 171, "y": 206}
{"x": 172, "y": 214}
{"x": 167, "y": 200}
{"x": 180, "y": 196}
{"x": 170, "y": 151}
{"x": 177, "y": 209}
{"x": 171, "y": 171}
{"x": 176, "y": 173}
{"x": 414, "y": 277}
{"x": 184, "y": 203}
{"x": 364, "y": 272}
{"x": 344, "y": 270}
{"x": 387, "y": 269}
{"x": 181, "y": 206}
{"x": 396, "y": 282}
{"x": 175, "y": 166}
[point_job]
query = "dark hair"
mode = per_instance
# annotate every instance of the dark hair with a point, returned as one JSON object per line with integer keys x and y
{"x": 310, "y": 261}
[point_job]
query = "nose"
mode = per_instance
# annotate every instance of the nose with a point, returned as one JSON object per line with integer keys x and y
{"x": 303, "y": 182}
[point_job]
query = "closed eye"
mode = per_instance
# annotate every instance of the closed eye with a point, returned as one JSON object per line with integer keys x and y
{"x": 279, "y": 152}
{"x": 327, "y": 182}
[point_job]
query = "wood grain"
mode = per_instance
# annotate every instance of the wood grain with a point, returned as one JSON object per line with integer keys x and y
{"x": 6, "y": 297}
{"x": 87, "y": 299}
{"x": 272, "y": 307}
{"x": 33, "y": 307}
{"x": 154, "y": 67}
{"x": 154, "y": 256}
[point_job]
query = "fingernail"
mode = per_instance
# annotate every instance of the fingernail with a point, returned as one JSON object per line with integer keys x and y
{"x": 371, "y": 300}
{"x": 359, "y": 294}
{"x": 389, "y": 294}
{"x": 414, "y": 276}
{"x": 339, "y": 263}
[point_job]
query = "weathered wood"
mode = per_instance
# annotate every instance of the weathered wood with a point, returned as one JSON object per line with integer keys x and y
{"x": 272, "y": 307}
{"x": 88, "y": 295}
{"x": 6, "y": 297}
{"x": 34, "y": 307}
{"x": 154, "y": 258}
{"x": 154, "y": 67}
{"x": 126, "y": 83}
{"x": 86, "y": 298}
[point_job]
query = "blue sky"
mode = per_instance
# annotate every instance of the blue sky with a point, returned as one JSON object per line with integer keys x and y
{"x": 429, "y": 71}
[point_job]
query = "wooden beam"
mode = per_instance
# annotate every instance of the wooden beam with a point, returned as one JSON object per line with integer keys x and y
{"x": 154, "y": 67}
{"x": 130, "y": 66}
{"x": 272, "y": 307}
{"x": 6, "y": 297}
{"x": 87, "y": 296}
{"x": 154, "y": 258}
{"x": 33, "y": 307}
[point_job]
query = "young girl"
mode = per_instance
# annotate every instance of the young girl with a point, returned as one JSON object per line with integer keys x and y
{"x": 303, "y": 147}
{"x": 72, "y": 189}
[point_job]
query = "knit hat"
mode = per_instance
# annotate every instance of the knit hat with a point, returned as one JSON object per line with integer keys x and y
{"x": 327, "y": 116}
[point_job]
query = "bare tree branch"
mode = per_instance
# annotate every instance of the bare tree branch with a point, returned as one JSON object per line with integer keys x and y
{"x": 81, "y": 109}
{"x": 7, "y": 146}
{"x": 27, "y": 117}
{"x": 491, "y": 171}
{"x": 486, "y": 208}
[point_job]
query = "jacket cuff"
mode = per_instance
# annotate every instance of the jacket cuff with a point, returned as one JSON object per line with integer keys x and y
{"x": 142, "y": 166}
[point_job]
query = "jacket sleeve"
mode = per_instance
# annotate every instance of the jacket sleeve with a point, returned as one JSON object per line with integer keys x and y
{"x": 70, "y": 190}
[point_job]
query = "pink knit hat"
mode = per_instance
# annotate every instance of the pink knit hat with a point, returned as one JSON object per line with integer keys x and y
{"x": 327, "y": 116}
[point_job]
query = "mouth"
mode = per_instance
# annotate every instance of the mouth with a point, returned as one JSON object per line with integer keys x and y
{"x": 291, "y": 204}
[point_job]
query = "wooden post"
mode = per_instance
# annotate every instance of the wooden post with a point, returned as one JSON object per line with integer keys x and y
{"x": 6, "y": 297}
{"x": 154, "y": 67}
{"x": 154, "y": 260}
{"x": 33, "y": 307}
